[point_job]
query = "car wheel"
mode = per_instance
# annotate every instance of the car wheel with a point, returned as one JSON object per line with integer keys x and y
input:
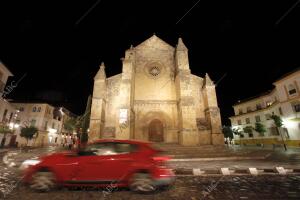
{"x": 43, "y": 181}
{"x": 142, "y": 182}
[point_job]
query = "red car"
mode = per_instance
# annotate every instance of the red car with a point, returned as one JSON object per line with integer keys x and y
{"x": 122, "y": 163}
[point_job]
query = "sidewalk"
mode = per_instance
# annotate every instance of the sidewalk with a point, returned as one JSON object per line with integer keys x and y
{"x": 210, "y": 153}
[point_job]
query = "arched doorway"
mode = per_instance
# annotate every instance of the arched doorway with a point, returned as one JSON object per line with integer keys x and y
{"x": 156, "y": 131}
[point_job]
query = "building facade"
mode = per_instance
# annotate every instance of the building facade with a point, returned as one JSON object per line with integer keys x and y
{"x": 46, "y": 118}
{"x": 156, "y": 98}
{"x": 6, "y": 110}
{"x": 283, "y": 101}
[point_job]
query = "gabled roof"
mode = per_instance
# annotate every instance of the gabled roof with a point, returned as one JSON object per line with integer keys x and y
{"x": 154, "y": 41}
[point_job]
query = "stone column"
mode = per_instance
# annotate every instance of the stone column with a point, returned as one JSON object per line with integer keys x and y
{"x": 188, "y": 133}
{"x": 212, "y": 111}
{"x": 98, "y": 105}
{"x": 124, "y": 125}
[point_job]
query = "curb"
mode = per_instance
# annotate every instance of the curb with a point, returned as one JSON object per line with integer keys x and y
{"x": 220, "y": 158}
{"x": 236, "y": 172}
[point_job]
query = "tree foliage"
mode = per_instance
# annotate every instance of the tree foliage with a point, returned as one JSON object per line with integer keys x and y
{"x": 70, "y": 124}
{"x": 227, "y": 131}
{"x": 248, "y": 129}
{"x": 5, "y": 129}
{"x": 84, "y": 122}
{"x": 28, "y": 132}
{"x": 260, "y": 128}
{"x": 277, "y": 120}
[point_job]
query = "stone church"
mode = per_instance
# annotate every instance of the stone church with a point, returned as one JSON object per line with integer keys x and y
{"x": 156, "y": 98}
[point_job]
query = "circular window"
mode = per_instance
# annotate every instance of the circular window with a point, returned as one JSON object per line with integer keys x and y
{"x": 154, "y": 71}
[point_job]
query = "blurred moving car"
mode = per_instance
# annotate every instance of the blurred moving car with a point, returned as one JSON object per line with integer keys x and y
{"x": 123, "y": 163}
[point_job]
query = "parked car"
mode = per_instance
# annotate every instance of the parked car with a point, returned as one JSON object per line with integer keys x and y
{"x": 124, "y": 163}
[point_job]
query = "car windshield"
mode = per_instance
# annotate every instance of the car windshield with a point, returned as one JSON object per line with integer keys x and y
{"x": 108, "y": 148}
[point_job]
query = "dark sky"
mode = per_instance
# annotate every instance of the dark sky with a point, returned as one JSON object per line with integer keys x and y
{"x": 60, "y": 44}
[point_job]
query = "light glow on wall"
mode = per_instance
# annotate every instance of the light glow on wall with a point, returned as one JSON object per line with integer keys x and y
{"x": 123, "y": 116}
{"x": 52, "y": 130}
{"x": 288, "y": 123}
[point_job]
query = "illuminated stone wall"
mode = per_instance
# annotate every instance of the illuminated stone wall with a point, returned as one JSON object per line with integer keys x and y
{"x": 156, "y": 84}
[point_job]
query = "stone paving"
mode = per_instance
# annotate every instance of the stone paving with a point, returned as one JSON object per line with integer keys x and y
{"x": 189, "y": 187}
{"x": 185, "y": 188}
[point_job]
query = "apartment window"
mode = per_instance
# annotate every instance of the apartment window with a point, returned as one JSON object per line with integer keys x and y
{"x": 33, "y": 122}
{"x": 34, "y": 109}
{"x": 249, "y": 109}
{"x": 10, "y": 117}
{"x": 280, "y": 111}
{"x": 258, "y": 106}
{"x": 257, "y": 118}
{"x": 285, "y": 132}
{"x": 4, "y": 114}
{"x": 239, "y": 122}
{"x": 268, "y": 116}
{"x": 247, "y": 120}
{"x": 273, "y": 131}
{"x": 21, "y": 109}
{"x": 39, "y": 109}
{"x": 292, "y": 89}
{"x": 240, "y": 111}
{"x": 46, "y": 124}
{"x": 296, "y": 107}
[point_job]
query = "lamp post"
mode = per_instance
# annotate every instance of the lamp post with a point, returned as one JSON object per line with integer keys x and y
{"x": 62, "y": 125}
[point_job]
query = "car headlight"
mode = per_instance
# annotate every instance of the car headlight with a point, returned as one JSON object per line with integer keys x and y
{"x": 28, "y": 163}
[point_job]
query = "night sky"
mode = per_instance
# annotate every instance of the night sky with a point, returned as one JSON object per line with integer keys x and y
{"x": 58, "y": 45}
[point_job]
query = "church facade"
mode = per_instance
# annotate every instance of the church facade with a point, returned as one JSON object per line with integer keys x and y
{"x": 156, "y": 98}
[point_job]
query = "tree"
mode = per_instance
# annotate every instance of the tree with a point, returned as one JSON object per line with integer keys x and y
{"x": 70, "y": 125}
{"x": 84, "y": 122}
{"x": 28, "y": 133}
{"x": 5, "y": 129}
{"x": 278, "y": 124}
{"x": 237, "y": 131}
{"x": 260, "y": 128}
{"x": 227, "y": 131}
{"x": 248, "y": 130}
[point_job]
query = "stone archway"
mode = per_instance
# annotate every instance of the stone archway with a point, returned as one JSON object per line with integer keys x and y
{"x": 156, "y": 131}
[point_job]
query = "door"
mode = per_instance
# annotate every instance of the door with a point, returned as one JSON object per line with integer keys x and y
{"x": 156, "y": 131}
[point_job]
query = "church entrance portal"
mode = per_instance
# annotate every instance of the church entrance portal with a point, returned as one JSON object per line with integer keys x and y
{"x": 156, "y": 131}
